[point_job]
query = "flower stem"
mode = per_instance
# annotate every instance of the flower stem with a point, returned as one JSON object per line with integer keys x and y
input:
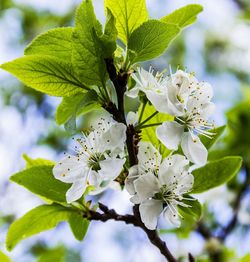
{"x": 142, "y": 111}
{"x": 146, "y": 120}
{"x": 149, "y": 125}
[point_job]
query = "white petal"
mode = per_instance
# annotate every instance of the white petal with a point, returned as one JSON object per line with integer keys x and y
{"x": 185, "y": 183}
{"x": 132, "y": 118}
{"x": 133, "y": 93}
{"x": 171, "y": 215}
{"x": 69, "y": 169}
{"x": 114, "y": 137}
{"x": 169, "y": 133}
{"x": 150, "y": 211}
{"x": 129, "y": 182}
{"x": 194, "y": 150}
{"x": 149, "y": 157}
{"x": 94, "y": 178}
{"x": 111, "y": 168}
{"x": 76, "y": 191}
{"x": 171, "y": 168}
{"x": 146, "y": 186}
{"x": 158, "y": 100}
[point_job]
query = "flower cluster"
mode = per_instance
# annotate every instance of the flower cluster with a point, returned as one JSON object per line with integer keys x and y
{"x": 157, "y": 185}
{"x": 188, "y": 101}
{"x": 99, "y": 160}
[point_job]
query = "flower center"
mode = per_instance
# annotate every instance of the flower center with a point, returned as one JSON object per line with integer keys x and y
{"x": 167, "y": 194}
{"x": 94, "y": 161}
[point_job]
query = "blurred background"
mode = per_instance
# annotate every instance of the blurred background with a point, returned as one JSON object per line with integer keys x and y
{"x": 217, "y": 49}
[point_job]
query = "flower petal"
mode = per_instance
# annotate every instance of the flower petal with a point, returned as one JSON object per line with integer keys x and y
{"x": 111, "y": 168}
{"x": 171, "y": 169}
{"x": 169, "y": 133}
{"x": 170, "y": 213}
{"x": 132, "y": 176}
{"x": 76, "y": 190}
{"x": 69, "y": 169}
{"x": 193, "y": 149}
{"x": 150, "y": 211}
{"x": 149, "y": 157}
{"x": 146, "y": 186}
{"x": 132, "y": 118}
{"x": 114, "y": 137}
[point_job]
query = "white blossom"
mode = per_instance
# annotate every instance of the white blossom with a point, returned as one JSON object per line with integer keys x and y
{"x": 99, "y": 160}
{"x": 158, "y": 186}
{"x": 189, "y": 101}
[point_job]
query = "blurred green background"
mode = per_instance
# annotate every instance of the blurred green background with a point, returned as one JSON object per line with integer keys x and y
{"x": 217, "y": 49}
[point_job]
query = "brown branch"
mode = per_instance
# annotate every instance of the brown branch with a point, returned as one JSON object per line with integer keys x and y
{"x": 110, "y": 214}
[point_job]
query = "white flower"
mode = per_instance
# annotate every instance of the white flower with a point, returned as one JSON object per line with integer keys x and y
{"x": 189, "y": 101}
{"x": 98, "y": 162}
{"x": 159, "y": 187}
{"x": 132, "y": 118}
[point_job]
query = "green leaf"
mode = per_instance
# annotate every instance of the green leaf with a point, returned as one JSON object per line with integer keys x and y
{"x": 55, "y": 42}
{"x": 151, "y": 39}
{"x": 87, "y": 56}
{"x": 129, "y": 15}
{"x": 4, "y": 258}
{"x": 56, "y": 254}
{"x": 183, "y": 16}
{"x": 246, "y": 258}
{"x": 79, "y": 226}
{"x": 195, "y": 209}
{"x": 40, "y": 181}
{"x": 215, "y": 173}
{"x": 76, "y": 105}
{"x": 46, "y": 74}
{"x": 35, "y": 221}
{"x": 108, "y": 39}
{"x": 30, "y": 162}
{"x": 209, "y": 142}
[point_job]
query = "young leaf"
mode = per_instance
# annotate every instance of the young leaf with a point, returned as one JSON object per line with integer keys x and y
{"x": 87, "y": 54}
{"x": 183, "y": 16}
{"x": 108, "y": 39}
{"x": 209, "y": 142}
{"x": 79, "y": 226}
{"x": 40, "y": 181}
{"x": 35, "y": 221}
{"x": 151, "y": 39}
{"x": 76, "y": 105}
{"x": 46, "y": 74}
{"x": 55, "y": 42}
{"x": 129, "y": 14}
{"x": 215, "y": 173}
{"x": 30, "y": 162}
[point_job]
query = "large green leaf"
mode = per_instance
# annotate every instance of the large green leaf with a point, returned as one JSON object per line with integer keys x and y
{"x": 75, "y": 105}
{"x": 183, "y": 16}
{"x": 46, "y": 74}
{"x": 151, "y": 39}
{"x": 79, "y": 226}
{"x": 87, "y": 54}
{"x": 35, "y": 221}
{"x": 55, "y": 42}
{"x": 40, "y": 181}
{"x": 215, "y": 173}
{"x": 129, "y": 14}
